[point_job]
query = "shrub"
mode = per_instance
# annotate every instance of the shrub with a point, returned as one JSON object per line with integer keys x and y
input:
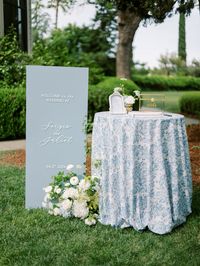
{"x": 12, "y": 113}
{"x": 75, "y": 46}
{"x": 99, "y": 94}
{"x": 13, "y": 105}
{"x": 190, "y": 103}
{"x": 163, "y": 83}
{"x": 12, "y": 60}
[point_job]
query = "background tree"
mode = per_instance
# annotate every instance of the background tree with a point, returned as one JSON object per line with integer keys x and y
{"x": 130, "y": 13}
{"x": 64, "y": 5}
{"x": 75, "y": 46}
{"x": 182, "y": 40}
{"x": 40, "y": 20}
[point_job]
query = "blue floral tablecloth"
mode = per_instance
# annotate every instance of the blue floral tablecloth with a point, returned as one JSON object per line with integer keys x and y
{"x": 144, "y": 169}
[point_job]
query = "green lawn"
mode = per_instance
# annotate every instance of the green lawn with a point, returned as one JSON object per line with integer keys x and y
{"x": 35, "y": 238}
{"x": 171, "y": 99}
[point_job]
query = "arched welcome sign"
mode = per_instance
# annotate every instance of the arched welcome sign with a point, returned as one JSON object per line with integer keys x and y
{"x": 56, "y": 105}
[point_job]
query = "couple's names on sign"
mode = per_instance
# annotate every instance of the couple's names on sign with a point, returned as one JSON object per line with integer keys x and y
{"x": 56, "y": 134}
{"x": 56, "y": 112}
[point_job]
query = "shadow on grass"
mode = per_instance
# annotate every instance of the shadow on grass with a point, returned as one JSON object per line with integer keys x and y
{"x": 196, "y": 201}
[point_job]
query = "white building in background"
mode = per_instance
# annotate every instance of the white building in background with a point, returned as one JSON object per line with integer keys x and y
{"x": 18, "y": 14}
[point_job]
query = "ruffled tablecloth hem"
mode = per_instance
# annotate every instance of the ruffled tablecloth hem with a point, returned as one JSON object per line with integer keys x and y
{"x": 157, "y": 229}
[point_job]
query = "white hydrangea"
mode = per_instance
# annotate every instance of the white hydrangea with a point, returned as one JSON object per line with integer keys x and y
{"x": 80, "y": 209}
{"x": 69, "y": 167}
{"x": 74, "y": 180}
{"x": 66, "y": 204}
{"x": 90, "y": 221}
{"x": 70, "y": 193}
{"x": 47, "y": 189}
{"x": 84, "y": 185}
{"x": 129, "y": 100}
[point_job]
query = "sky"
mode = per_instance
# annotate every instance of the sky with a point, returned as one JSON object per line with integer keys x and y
{"x": 151, "y": 41}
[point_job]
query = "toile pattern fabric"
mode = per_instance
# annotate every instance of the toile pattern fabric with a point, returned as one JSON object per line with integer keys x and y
{"x": 144, "y": 169}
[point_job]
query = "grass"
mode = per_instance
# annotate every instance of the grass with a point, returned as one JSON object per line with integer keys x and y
{"x": 172, "y": 99}
{"x": 32, "y": 237}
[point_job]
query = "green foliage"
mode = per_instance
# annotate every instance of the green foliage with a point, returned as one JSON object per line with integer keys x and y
{"x": 75, "y": 46}
{"x": 163, "y": 83}
{"x": 32, "y": 237}
{"x": 194, "y": 68}
{"x": 99, "y": 94}
{"x": 12, "y": 60}
{"x": 155, "y": 10}
{"x": 190, "y": 103}
{"x": 12, "y": 113}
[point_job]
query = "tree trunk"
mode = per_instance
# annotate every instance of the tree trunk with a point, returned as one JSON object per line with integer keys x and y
{"x": 128, "y": 23}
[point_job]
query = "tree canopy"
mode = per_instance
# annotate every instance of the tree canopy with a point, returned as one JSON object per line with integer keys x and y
{"x": 129, "y": 14}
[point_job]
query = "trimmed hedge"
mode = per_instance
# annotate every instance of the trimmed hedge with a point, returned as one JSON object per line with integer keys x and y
{"x": 12, "y": 113}
{"x": 98, "y": 94}
{"x": 13, "y": 105}
{"x": 164, "y": 83}
{"x": 190, "y": 103}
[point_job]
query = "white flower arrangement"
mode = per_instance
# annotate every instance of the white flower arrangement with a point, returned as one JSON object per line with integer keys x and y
{"x": 129, "y": 100}
{"x": 68, "y": 196}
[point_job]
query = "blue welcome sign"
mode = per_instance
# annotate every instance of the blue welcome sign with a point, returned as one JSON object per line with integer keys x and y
{"x": 56, "y": 100}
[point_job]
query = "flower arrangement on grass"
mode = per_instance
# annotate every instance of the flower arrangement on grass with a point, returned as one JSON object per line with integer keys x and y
{"x": 70, "y": 196}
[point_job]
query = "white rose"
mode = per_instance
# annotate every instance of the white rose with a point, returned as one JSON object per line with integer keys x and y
{"x": 66, "y": 204}
{"x": 56, "y": 211}
{"x": 70, "y": 193}
{"x": 80, "y": 209}
{"x": 48, "y": 189}
{"x": 70, "y": 167}
{"x": 57, "y": 190}
{"x": 137, "y": 93}
{"x": 84, "y": 185}
{"x": 129, "y": 100}
{"x": 74, "y": 180}
{"x": 90, "y": 221}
